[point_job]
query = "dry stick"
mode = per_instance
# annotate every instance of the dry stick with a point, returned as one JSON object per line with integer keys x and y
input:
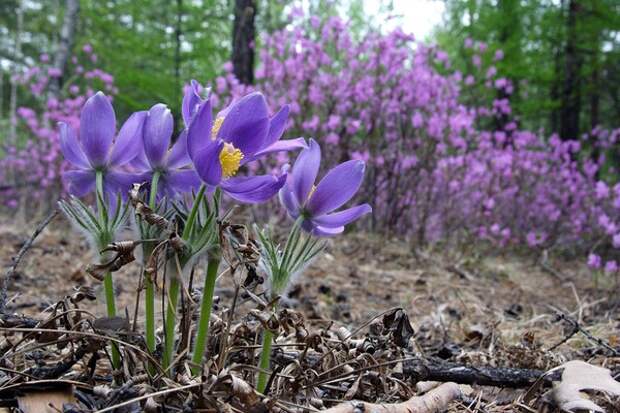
{"x": 4, "y": 281}
{"x": 436, "y": 400}
{"x": 146, "y": 396}
{"x": 83, "y": 334}
{"x": 577, "y": 328}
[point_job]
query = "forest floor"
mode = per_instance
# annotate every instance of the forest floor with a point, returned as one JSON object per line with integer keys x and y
{"x": 473, "y": 308}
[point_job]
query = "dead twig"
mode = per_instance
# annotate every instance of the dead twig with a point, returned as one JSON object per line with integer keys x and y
{"x": 4, "y": 281}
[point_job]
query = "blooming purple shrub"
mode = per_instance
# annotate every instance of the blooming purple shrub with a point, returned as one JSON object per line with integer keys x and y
{"x": 31, "y": 168}
{"x": 439, "y": 167}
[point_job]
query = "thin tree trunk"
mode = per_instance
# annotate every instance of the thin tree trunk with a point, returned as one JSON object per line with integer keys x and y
{"x": 244, "y": 35}
{"x": 178, "y": 30}
{"x": 65, "y": 44}
{"x": 571, "y": 93}
{"x": 13, "y": 98}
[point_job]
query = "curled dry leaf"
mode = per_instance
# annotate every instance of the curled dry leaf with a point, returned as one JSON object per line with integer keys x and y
{"x": 578, "y": 376}
{"x": 435, "y": 400}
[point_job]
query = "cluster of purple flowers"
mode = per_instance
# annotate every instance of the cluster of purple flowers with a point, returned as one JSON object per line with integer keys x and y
{"x": 434, "y": 172}
{"x": 31, "y": 168}
{"x": 208, "y": 152}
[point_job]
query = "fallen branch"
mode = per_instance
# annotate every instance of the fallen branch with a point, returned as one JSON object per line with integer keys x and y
{"x": 419, "y": 369}
{"x": 435, "y": 400}
{"x": 4, "y": 281}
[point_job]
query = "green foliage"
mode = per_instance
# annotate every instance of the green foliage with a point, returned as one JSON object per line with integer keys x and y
{"x": 533, "y": 36}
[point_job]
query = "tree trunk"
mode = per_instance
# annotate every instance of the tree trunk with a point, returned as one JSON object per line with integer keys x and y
{"x": 13, "y": 98}
{"x": 244, "y": 34}
{"x": 178, "y": 33}
{"x": 65, "y": 44}
{"x": 571, "y": 92}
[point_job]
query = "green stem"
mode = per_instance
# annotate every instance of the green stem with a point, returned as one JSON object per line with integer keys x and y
{"x": 149, "y": 298}
{"x": 108, "y": 285}
{"x": 205, "y": 312}
{"x": 192, "y": 215}
{"x": 153, "y": 193}
{"x": 171, "y": 313}
{"x": 265, "y": 357}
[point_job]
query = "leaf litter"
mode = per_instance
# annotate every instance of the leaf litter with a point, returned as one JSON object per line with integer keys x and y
{"x": 371, "y": 327}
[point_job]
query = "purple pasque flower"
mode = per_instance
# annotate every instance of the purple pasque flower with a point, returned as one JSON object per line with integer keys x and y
{"x": 97, "y": 151}
{"x": 314, "y": 205}
{"x": 242, "y": 133}
{"x": 172, "y": 165}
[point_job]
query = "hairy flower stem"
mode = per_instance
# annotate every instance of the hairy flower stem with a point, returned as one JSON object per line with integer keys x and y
{"x": 108, "y": 283}
{"x": 149, "y": 299}
{"x": 263, "y": 364}
{"x": 171, "y": 312}
{"x": 192, "y": 215}
{"x": 205, "y": 311}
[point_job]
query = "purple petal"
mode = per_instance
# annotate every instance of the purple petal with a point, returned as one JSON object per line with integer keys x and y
{"x": 253, "y": 189}
{"x": 246, "y": 124}
{"x": 79, "y": 183}
{"x": 305, "y": 169}
{"x": 336, "y": 188}
{"x": 97, "y": 128}
{"x": 207, "y": 163}
{"x": 199, "y": 131}
{"x": 288, "y": 200}
{"x": 342, "y": 218}
{"x": 157, "y": 133}
{"x": 191, "y": 100}
{"x": 281, "y": 146}
{"x": 129, "y": 140}
{"x": 326, "y": 232}
{"x": 115, "y": 182}
{"x": 277, "y": 126}
{"x": 180, "y": 181}
{"x": 70, "y": 147}
{"x": 178, "y": 156}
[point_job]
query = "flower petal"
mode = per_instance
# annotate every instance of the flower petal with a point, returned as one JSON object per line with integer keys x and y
{"x": 277, "y": 124}
{"x": 79, "y": 183}
{"x": 129, "y": 140}
{"x": 178, "y": 156}
{"x": 288, "y": 200}
{"x": 207, "y": 163}
{"x": 191, "y": 100}
{"x": 180, "y": 181}
{"x": 281, "y": 146}
{"x": 157, "y": 133}
{"x": 246, "y": 124}
{"x": 253, "y": 189}
{"x": 115, "y": 182}
{"x": 342, "y": 218}
{"x": 199, "y": 131}
{"x": 327, "y": 232}
{"x": 305, "y": 169}
{"x": 336, "y": 188}
{"x": 97, "y": 128}
{"x": 70, "y": 147}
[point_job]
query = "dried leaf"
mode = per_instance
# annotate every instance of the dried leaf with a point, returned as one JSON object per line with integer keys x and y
{"x": 397, "y": 322}
{"x": 578, "y": 376}
{"x": 45, "y": 401}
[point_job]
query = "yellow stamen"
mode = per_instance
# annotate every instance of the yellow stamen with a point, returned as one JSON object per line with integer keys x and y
{"x": 216, "y": 127}
{"x": 230, "y": 159}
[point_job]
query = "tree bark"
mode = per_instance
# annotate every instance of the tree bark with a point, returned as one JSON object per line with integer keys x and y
{"x": 13, "y": 98}
{"x": 65, "y": 44}
{"x": 571, "y": 92}
{"x": 178, "y": 33}
{"x": 244, "y": 35}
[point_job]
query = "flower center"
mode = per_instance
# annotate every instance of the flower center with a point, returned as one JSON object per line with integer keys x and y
{"x": 216, "y": 127}
{"x": 230, "y": 159}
